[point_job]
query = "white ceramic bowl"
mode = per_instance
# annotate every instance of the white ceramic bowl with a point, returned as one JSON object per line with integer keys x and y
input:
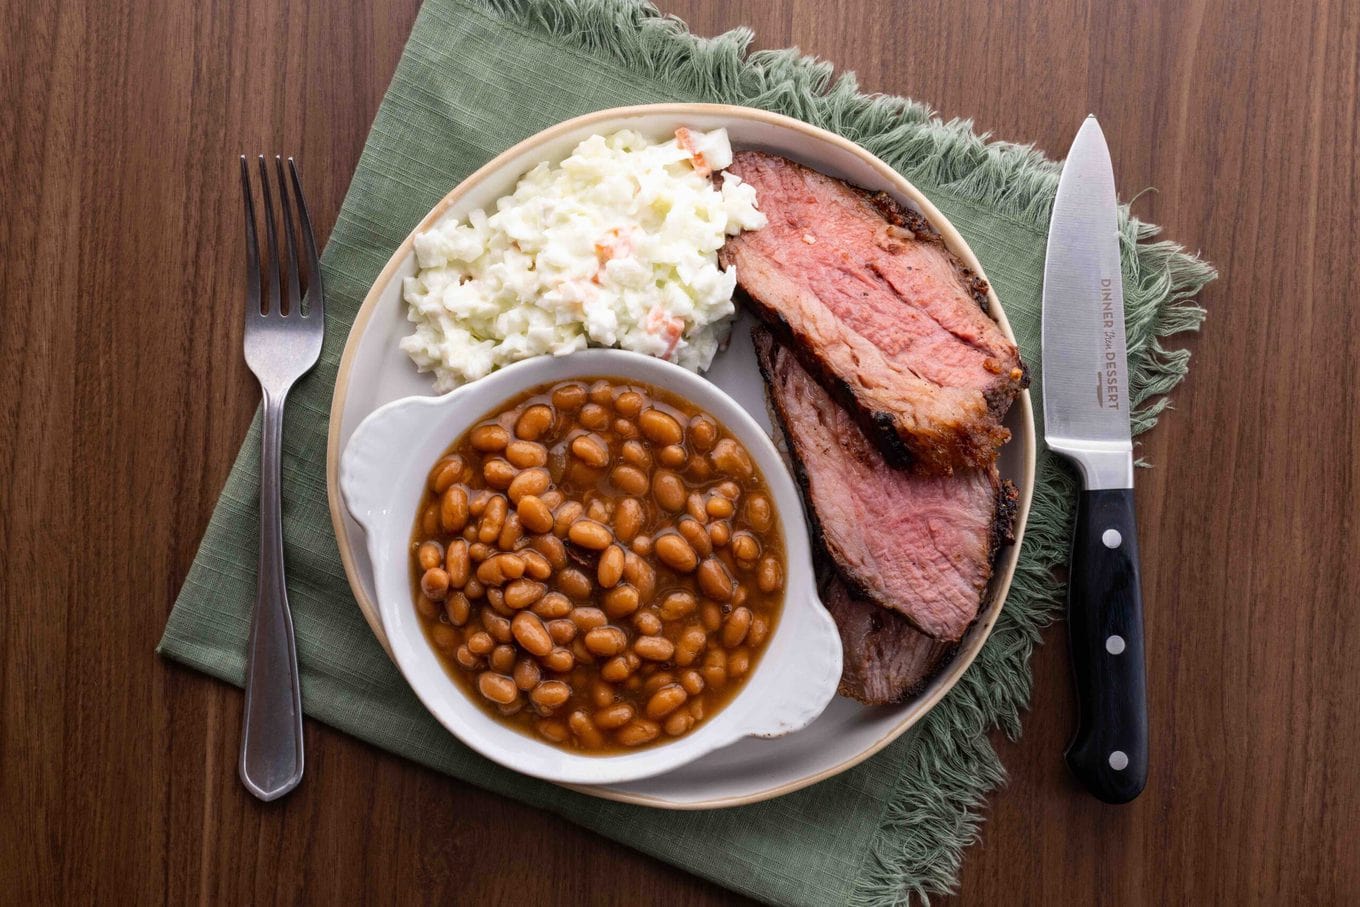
{"x": 382, "y": 479}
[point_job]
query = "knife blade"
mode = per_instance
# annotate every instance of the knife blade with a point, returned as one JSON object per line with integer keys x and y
{"x": 1086, "y": 420}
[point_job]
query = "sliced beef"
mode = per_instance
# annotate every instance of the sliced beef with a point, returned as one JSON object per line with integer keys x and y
{"x": 918, "y": 545}
{"x": 886, "y": 658}
{"x": 883, "y": 315}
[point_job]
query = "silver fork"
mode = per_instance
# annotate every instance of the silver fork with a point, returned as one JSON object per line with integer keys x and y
{"x": 281, "y": 346}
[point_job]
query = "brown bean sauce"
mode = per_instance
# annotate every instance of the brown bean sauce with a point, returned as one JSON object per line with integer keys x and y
{"x": 598, "y": 563}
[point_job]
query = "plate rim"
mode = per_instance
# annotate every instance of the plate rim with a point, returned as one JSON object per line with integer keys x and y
{"x": 1001, "y": 580}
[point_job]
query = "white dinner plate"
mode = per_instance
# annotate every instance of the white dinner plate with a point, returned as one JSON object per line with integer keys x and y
{"x": 374, "y": 371}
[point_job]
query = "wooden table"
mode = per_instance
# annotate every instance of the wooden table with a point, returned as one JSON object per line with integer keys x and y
{"x": 123, "y": 398}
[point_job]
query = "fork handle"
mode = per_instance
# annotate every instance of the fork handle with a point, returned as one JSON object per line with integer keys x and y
{"x": 271, "y": 741}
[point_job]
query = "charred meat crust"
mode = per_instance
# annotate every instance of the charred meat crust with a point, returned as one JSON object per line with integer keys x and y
{"x": 899, "y": 215}
{"x": 932, "y": 453}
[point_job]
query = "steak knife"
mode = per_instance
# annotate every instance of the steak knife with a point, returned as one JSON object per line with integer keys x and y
{"x": 1086, "y": 420}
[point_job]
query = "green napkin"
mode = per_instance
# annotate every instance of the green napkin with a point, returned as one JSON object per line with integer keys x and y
{"x": 478, "y": 76}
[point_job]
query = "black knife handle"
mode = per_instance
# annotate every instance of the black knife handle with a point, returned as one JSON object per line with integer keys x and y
{"x": 1105, "y": 632}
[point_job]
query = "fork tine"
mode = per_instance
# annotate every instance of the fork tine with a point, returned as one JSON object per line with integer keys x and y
{"x": 252, "y": 245}
{"x": 275, "y": 303}
{"x": 292, "y": 282}
{"x": 316, "y": 290}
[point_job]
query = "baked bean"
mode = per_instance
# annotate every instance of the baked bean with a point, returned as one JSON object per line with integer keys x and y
{"x": 654, "y": 648}
{"x": 536, "y": 566}
{"x": 526, "y": 674}
{"x": 477, "y": 552}
{"x": 628, "y": 518}
{"x": 759, "y": 513}
{"x": 435, "y": 583}
{"x": 458, "y": 608}
{"x": 551, "y": 547}
{"x": 715, "y": 677}
{"x": 569, "y": 397}
{"x": 676, "y": 553}
{"x": 530, "y": 633}
{"x": 457, "y": 563}
{"x": 502, "y": 659}
{"x": 477, "y": 502}
{"x": 498, "y": 626}
{"x": 697, "y": 469}
{"x": 574, "y": 584}
{"x": 637, "y": 732}
{"x": 602, "y": 393}
{"x": 481, "y": 643}
{"x": 489, "y": 438}
{"x": 526, "y": 454}
{"x": 692, "y": 681}
{"x": 672, "y": 455}
{"x": 744, "y": 546}
{"x": 444, "y": 637}
{"x": 770, "y": 576}
{"x": 621, "y": 601}
{"x": 660, "y": 428}
{"x": 496, "y": 599}
{"x": 703, "y": 433}
{"x": 647, "y": 623}
{"x": 610, "y": 569}
{"x": 658, "y": 680}
{"x": 640, "y": 575}
{"x": 668, "y": 490}
{"x": 474, "y": 589}
{"x": 588, "y": 618}
{"x": 523, "y": 592}
{"x": 585, "y": 730}
{"x": 453, "y": 509}
{"x": 497, "y": 687}
{"x": 430, "y": 554}
{"x": 493, "y": 518}
{"x": 511, "y": 532}
{"x": 696, "y": 709}
{"x": 426, "y": 607}
{"x": 617, "y": 669}
{"x": 549, "y": 695}
{"x": 694, "y": 505}
{"x": 490, "y": 571}
{"x": 678, "y": 723}
{"x": 591, "y": 451}
{"x": 714, "y": 580}
{"x": 692, "y": 642}
{"x": 565, "y": 515}
{"x": 561, "y": 630}
{"x": 594, "y": 417}
{"x": 602, "y": 693}
{"x": 642, "y": 545}
{"x": 760, "y": 628}
{"x": 605, "y": 641}
{"x": 629, "y": 403}
{"x": 534, "y": 423}
{"x": 498, "y": 474}
{"x": 429, "y": 520}
{"x": 710, "y": 615}
{"x": 738, "y": 662}
{"x": 614, "y": 716}
{"x": 534, "y": 481}
{"x": 552, "y": 498}
{"x": 666, "y": 700}
{"x": 590, "y": 534}
{"x": 466, "y": 660}
{"x": 635, "y": 453}
{"x": 677, "y": 605}
{"x": 625, "y": 429}
{"x": 554, "y": 731}
{"x": 560, "y": 660}
{"x": 731, "y": 459}
{"x": 448, "y": 470}
{"x": 728, "y": 489}
{"x": 551, "y": 606}
{"x": 598, "y": 511}
{"x": 719, "y": 533}
{"x": 629, "y": 479}
{"x": 696, "y": 535}
{"x": 735, "y": 627}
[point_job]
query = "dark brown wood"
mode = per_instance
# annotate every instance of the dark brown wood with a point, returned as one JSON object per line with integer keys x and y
{"x": 123, "y": 398}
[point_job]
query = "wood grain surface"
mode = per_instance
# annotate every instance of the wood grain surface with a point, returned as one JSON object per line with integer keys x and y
{"x": 123, "y": 398}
